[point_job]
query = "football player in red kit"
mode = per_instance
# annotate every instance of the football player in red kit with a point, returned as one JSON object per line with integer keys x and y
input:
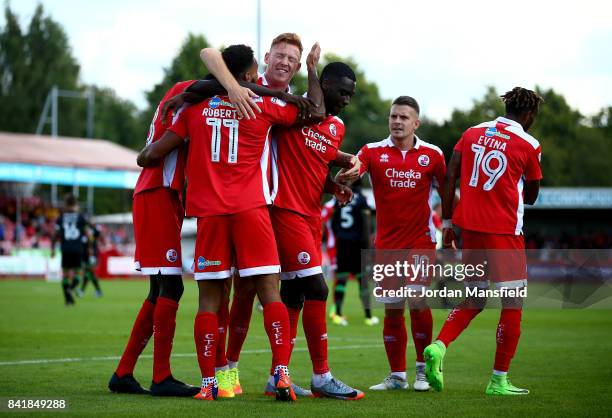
{"x": 497, "y": 164}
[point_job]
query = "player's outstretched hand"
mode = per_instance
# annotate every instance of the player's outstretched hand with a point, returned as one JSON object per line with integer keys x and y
{"x": 171, "y": 105}
{"x": 242, "y": 98}
{"x": 345, "y": 176}
{"x": 343, "y": 195}
{"x": 448, "y": 238}
{"x": 313, "y": 56}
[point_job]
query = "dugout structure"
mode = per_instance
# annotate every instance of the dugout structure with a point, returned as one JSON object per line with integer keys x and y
{"x": 28, "y": 159}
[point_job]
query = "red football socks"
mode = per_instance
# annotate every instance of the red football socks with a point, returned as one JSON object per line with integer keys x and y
{"x": 141, "y": 332}
{"x": 508, "y": 334}
{"x": 396, "y": 340}
{"x": 239, "y": 320}
{"x": 205, "y": 333}
{"x": 457, "y": 321}
{"x": 294, "y": 319}
{"x": 315, "y": 329}
{"x": 164, "y": 324}
{"x": 276, "y": 322}
{"x": 223, "y": 317}
{"x": 421, "y": 325}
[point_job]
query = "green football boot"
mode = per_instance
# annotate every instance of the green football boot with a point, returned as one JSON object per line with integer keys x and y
{"x": 434, "y": 357}
{"x": 500, "y": 385}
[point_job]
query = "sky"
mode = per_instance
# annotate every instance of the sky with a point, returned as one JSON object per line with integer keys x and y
{"x": 443, "y": 53}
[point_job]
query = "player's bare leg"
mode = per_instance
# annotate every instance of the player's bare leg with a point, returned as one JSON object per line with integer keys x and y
{"x": 395, "y": 339}
{"x": 276, "y": 322}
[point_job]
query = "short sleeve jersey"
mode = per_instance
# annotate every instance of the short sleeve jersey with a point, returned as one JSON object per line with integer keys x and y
{"x": 170, "y": 170}
{"x": 228, "y": 157}
{"x": 347, "y": 221}
{"x": 496, "y": 159}
{"x": 71, "y": 229}
{"x": 403, "y": 185}
{"x": 303, "y": 156}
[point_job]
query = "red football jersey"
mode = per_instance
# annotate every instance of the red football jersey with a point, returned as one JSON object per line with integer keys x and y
{"x": 496, "y": 158}
{"x": 327, "y": 212}
{"x": 228, "y": 157}
{"x": 402, "y": 186}
{"x": 302, "y": 155}
{"x": 170, "y": 170}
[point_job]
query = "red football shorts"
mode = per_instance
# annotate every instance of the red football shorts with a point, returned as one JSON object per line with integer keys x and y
{"x": 244, "y": 240}
{"x": 503, "y": 257}
{"x": 158, "y": 216}
{"x": 298, "y": 239}
{"x": 419, "y": 254}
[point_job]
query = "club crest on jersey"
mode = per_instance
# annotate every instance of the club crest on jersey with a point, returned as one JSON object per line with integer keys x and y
{"x": 171, "y": 255}
{"x": 384, "y": 158}
{"x": 278, "y": 101}
{"x": 203, "y": 263}
{"x": 303, "y": 257}
{"x": 423, "y": 160}
{"x": 490, "y": 132}
{"x": 332, "y": 129}
{"x": 214, "y": 103}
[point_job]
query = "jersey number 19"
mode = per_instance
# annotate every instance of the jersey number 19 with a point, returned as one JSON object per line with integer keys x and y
{"x": 482, "y": 159}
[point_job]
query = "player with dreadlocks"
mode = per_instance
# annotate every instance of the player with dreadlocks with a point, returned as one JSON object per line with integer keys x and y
{"x": 501, "y": 172}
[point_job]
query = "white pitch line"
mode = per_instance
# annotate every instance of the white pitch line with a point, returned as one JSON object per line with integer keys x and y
{"x": 109, "y": 358}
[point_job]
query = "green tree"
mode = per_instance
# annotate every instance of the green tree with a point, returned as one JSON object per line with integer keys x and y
{"x": 366, "y": 116}
{"x": 30, "y": 64}
{"x": 185, "y": 66}
{"x": 116, "y": 119}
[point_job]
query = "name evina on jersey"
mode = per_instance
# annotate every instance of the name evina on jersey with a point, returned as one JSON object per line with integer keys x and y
{"x": 228, "y": 157}
{"x": 497, "y": 157}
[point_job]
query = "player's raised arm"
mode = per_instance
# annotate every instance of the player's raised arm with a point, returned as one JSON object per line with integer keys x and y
{"x": 158, "y": 149}
{"x": 197, "y": 92}
{"x": 315, "y": 92}
{"x": 240, "y": 96}
{"x": 448, "y": 197}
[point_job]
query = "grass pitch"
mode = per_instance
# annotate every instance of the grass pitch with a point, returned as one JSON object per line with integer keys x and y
{"x": 48, "y": 351}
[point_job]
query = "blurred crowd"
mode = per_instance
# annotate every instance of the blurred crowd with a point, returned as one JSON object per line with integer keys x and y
{"x": 566, "y": 240}
{"x": 35, "y": 227}
{"x": 37, "y": 224}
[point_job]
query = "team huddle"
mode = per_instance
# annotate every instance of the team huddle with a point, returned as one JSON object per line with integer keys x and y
{"x": 255, "y": 161}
